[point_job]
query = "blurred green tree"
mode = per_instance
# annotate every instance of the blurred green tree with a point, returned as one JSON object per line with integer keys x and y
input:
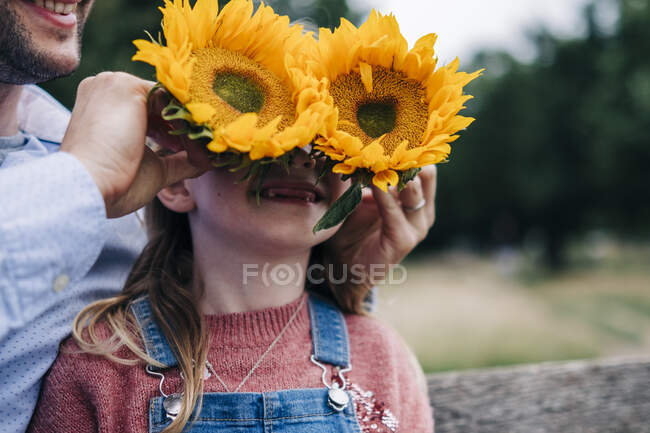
{"x": 560, "y": 145}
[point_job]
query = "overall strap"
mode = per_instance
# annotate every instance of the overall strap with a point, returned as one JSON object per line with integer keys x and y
{"x": 329, "y": 332}
{"x": 155, "y": 343}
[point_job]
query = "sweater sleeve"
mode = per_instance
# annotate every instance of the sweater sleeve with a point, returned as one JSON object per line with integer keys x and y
{"x": 387, "y": 382}
{"x": 65, "y": 404}
{"x": 416, "y": 411}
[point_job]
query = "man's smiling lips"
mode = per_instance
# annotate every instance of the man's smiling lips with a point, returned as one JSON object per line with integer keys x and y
{"x": 288, "y": 191}
{"x": 60, "y": 12}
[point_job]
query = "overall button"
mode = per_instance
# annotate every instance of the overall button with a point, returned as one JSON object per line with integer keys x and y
{"x": 61, "y": 283}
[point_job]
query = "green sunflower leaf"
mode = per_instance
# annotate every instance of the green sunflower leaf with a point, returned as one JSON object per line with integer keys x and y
{"x": 344, "y": 206}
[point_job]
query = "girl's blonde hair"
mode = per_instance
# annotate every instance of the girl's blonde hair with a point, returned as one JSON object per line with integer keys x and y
{"x": 164, "y": 273}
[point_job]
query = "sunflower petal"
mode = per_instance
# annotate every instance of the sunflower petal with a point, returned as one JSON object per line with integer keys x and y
{"x": 373, "y": 152}
{"x": 343, "y": 168}
{"x": 385, "y": 178}
{"x": 217, "y": 145}
{"x": 201, "y": 112}
{"x": 366, "y": 76}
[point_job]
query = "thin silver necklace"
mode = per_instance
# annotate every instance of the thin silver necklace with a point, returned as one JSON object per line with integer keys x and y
{"x": 172, "y": 403}
{"x": 261, "y": 358}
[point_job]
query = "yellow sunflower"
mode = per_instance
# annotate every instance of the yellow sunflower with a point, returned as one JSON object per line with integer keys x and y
{"x": 228, "y": 71}
{"x": 397, "y": 112}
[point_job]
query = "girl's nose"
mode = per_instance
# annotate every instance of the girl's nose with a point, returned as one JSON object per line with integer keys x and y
{"x": 303, "y": 159}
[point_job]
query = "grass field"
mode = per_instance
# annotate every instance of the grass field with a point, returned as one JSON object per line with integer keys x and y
{"x": 459, "y": 311}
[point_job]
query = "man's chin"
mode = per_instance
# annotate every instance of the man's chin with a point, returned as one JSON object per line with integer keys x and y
{"x": 31, "y": 52}
{"x": 55, "y": 73}
{"x": 41, "y": 69}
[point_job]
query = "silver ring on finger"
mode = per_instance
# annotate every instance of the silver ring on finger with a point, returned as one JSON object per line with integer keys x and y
{"x": 415, "y": 208}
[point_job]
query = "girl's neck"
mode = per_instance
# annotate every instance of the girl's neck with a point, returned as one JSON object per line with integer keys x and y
{"x": 235, "y": 280}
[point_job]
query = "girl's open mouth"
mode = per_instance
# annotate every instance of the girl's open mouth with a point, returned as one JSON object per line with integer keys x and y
{"x": 292, "y": 192}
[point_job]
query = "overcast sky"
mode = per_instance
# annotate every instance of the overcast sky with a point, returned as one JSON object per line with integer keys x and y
{"x": 466, "y": 26}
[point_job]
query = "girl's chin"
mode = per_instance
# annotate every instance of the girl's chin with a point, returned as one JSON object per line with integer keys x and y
{"x": 285, "y": 227}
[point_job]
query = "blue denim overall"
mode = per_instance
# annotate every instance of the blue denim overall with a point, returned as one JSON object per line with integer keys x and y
{"x": 287, "y": 411}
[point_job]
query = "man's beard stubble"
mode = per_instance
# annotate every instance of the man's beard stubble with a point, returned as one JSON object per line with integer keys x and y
{"x": 20, "y": 61}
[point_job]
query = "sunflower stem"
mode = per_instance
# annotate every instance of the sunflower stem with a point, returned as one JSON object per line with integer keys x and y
{"x": 344, "y": 206}
{"x": 407, "y": 176}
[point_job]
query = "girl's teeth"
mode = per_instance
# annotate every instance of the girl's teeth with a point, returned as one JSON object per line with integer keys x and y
{"x": 57, "y": 7}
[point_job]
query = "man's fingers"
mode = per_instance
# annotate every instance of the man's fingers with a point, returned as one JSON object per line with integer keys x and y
{"x": 197, "y": 155}
{"x": 178, "y": 167}
{"x": 138, "y": 85}
{"x": 157, "y": 101}
{"x": 84, "y": 95}
{"x": 159, "y": 130}
{"x": 155, "y": 173}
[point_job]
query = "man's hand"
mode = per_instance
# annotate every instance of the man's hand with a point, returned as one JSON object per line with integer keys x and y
{"x": 107, "y": 132}
{"x": 382, "y": 231}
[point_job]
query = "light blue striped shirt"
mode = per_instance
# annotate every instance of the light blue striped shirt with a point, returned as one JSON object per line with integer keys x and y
{"x": 58, "y": 251}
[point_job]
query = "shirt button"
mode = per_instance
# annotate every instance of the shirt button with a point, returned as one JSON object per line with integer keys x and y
{"x": 61, "y": 282}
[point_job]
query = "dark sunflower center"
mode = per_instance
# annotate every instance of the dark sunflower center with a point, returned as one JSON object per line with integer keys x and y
{"x": 377, "y": 118}
{"x": 239, "y": 92}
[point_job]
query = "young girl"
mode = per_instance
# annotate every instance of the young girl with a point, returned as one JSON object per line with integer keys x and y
{"x": 224, "y": 326}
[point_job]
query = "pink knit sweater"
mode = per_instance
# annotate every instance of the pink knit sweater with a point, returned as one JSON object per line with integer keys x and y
{"x": 88, "y": 393}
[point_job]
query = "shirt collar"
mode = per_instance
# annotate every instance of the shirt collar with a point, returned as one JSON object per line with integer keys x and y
{"x": 42, "y": 116}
